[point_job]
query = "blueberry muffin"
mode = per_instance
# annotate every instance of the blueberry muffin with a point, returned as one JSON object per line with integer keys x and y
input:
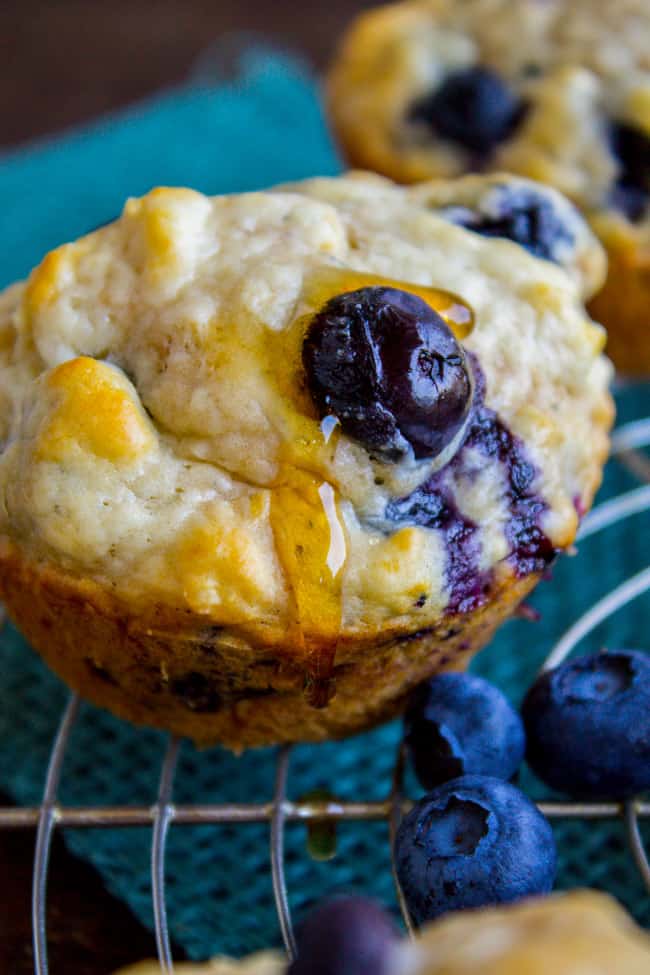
{"x": 581, "y": 933}
{"x": 556, "y": 90}
{"x": 270, "y": 460}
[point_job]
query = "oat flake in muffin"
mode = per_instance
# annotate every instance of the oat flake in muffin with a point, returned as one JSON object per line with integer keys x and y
{"x": 190, "y": 540}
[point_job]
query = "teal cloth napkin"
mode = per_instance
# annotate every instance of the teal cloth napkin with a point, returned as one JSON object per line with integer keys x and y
{"x": 264, "y": 127}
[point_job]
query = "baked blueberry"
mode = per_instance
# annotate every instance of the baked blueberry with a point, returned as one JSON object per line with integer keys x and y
{"x": 521, "y": 215}
{"x": 588, "y": 725}
{"x": 473, "y": 107}
{"x": 433, "y": 505}
{"x": 458, "y": 724}
{"x": 345, "y": 936}
{"x": 472, "y": 842}
{"x": 632, "y": 150}
{"x": 389, "y": 368}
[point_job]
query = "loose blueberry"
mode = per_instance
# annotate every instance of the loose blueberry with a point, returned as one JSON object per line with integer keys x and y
{"x": 632, "y": 149}
{"x": 473, "y": 107}
{"x": 472, "y": 842}
{"x": 523, "y": 216}
{"x": 458, "y": 724}
{"x": 389, "y": 368}
{"x": 588, "y": 725}
{"x": 345, "y": 936}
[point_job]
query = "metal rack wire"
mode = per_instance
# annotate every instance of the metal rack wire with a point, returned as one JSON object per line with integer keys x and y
{"x": 278, "y": 810}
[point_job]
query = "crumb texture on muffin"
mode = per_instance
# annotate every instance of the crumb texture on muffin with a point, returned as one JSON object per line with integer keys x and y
{"x": 159, "y": 438}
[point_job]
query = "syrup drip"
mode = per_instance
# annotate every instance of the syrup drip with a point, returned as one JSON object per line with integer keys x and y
{"x": 307, "y": 527}
{"x": 328, "y": 425}
{"x": 330, "y": 281}
{"x": 310, "y": 542}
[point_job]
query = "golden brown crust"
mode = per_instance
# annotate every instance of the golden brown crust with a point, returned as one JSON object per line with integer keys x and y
{"x": 173, "y": 670}
{"x": 624, "y": 302}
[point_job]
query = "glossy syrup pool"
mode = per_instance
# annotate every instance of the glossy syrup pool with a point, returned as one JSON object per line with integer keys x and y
{"x": 332, "y": 281}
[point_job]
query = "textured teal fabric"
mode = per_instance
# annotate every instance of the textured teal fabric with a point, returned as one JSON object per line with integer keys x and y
{"x": 261, "y": 129}
{"x": 264, "y": 128}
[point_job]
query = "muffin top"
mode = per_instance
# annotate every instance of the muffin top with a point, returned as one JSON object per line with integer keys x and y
{"x": 557, "y": 90}
{"x": 178, "y": 424}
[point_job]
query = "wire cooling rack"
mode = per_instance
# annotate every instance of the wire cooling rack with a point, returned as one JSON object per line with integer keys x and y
{"x": 278, "y": 810}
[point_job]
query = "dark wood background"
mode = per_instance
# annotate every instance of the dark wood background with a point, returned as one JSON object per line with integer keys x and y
{"x": 63, "y": 62}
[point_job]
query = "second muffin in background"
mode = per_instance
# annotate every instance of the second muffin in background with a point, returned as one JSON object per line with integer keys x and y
{"x": 557, "y": 91}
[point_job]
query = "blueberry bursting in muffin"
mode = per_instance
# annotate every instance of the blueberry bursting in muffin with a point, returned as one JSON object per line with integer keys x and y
{"x": 270, "y": 460}
{"x": 557, "y": 91}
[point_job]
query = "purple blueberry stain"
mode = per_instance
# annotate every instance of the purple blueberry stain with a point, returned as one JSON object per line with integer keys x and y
{"x": 531, "y": 550}
{"x": 432, "y": 505}
{"x": 390, "y": 370}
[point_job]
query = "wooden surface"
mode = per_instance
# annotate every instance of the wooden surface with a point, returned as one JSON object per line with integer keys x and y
{"x": 64, "y": 62}
{"x": 89, "y": 932}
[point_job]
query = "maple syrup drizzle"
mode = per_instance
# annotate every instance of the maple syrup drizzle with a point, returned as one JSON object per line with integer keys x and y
{"x": 337, "y": 550}
{"x": 307, "y": 526}
{"x": 330, "y": 281}
{"x": 311, "y": 545}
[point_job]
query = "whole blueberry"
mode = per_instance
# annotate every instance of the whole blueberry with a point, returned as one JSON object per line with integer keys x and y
{"x": 588, "y": 725}
{"x": 472, "y": 107}
{"x": 472, "y": 842}
{"x": 458, "y": 724}
{"x": 631, "y": 147}
{"x": 389, "y": 368}
{"x": 345, "y": 936}
{"x": 522, "y": 215}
